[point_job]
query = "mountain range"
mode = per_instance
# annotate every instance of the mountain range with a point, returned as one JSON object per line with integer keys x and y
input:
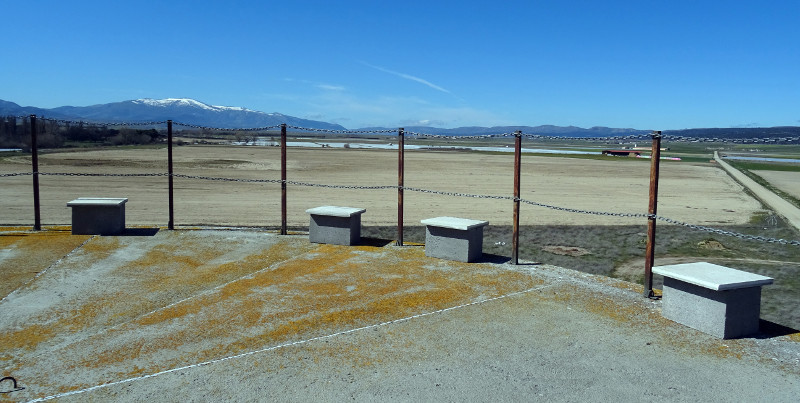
{"x": 181, "y": 110}
{"x": 190, "y": 111}
{"x": 194, "y": 112}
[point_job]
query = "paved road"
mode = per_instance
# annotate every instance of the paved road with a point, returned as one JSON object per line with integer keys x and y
{"x": 775, "y": 202}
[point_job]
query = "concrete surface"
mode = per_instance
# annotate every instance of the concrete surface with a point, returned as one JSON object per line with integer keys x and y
{"x": 712, "y": 276}
{"x": 248, "y": 316}
{"x": 453, "y": 238}
{"x": 714, "y": 299}
{"x": 335, "y": 225}
{"x": 462, "y": 224}
{"x": 98, "y": 215}
{"x": 725, "y": 314}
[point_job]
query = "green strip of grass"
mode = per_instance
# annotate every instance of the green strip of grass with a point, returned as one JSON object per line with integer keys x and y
{"x": 745, "y": 168}
{"x": 763, "y": 166}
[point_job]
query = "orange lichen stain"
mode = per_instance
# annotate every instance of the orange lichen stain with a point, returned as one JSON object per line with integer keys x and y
{"x": 193, "y": 265}
{"x": 73, "y": 317}
{"x": 26, "y": 338}
{"x": 624, "y": 285}
{"x": 43, "y": 248}
{"x": 327, "y": 290}
{"x": 615, "y": 310}
{"x": 15, "y": 229}
{"x": 176, "y": 272}
{"x": 88, "y": 313}
{"x": 721, "y": 350}
{"x": 169, "y": 313}
{"x": 101, "y": 245}
{"x": 70, "y": 388}
{"x": 622, "y": 312}
{"x": 104, "y": 358}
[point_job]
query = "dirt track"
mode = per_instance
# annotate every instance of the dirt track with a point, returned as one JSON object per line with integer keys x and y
{"x": 777, "y": 203}
{"x": 695, "y": 193}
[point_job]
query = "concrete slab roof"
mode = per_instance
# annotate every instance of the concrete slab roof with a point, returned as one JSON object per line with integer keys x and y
{"x": 247, "y": 315}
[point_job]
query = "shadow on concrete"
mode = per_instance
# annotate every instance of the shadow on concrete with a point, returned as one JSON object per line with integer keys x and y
{"x": 376, "y": 242}
{"x": 769, "y": 330}
{"x": 490, "y": 258}
{"x": 140, "y": 232}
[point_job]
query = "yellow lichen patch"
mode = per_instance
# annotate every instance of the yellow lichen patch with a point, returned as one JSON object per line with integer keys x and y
{"x": 173, "y": 271}
{"x": 30, "y": 254}
{"x": 327, "y": 290}
{"x": 604, "y": 305}
{"x": 74, "y": 316}
{"x": 718, "y": 349}
{"x": 101, "y": 246}
{"x": 621, "y": 284}
{"x": 10, "y": 229}
{"x": 170, "y": 313}
{"x": 615, "y": 310}
{"x": 181, "y": 264}
{"x": 795, "y": 337}
{"x": 26, "y": 338}
{"x": 90, "y": 311}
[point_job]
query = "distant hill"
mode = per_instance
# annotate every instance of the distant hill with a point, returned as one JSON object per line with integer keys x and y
{"x": 600, "y": 131}
{"x": 181, "y": 110}
{"x": 194, "y": 112}
{"x": 777, "y": 132}
{"x": 547, "y": 130}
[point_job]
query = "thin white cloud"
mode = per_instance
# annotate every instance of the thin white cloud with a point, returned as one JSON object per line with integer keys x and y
{"x": 317, "y": 84}
{"x": 330, "y": 87}
{"x": 408, "y": 77}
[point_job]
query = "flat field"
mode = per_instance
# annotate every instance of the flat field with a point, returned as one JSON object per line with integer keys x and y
{"x": 786, "y": 181}
{"x": 697, "y": 193}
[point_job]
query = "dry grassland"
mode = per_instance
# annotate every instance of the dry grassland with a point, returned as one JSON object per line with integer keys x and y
{"x": 786, "y": 181}
{"x": 695, "y": 193}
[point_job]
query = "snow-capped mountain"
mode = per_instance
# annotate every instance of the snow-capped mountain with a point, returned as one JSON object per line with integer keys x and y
{"x": 183, "y": 110}
{"x": 186, "y": 102}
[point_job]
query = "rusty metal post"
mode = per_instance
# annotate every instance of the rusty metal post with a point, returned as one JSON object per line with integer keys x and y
{"x": 517, "y": 163}
{"x": 171, "y": 223}
{"x": 283, "y": 179}
{"x": 37, "y": 217}
{"x": 652, "y": 211}
{"x": 400, "y": 173}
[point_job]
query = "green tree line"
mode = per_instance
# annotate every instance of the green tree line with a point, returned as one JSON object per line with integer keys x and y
{"x": 15, "y": 132}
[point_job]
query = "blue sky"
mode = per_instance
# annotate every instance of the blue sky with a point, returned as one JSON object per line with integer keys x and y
{"x": 632, "y": 64}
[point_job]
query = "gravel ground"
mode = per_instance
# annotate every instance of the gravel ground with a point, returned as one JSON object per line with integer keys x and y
{"x": 250, "y": 316}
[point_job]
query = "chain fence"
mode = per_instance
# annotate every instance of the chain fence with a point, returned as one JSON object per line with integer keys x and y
{"x": 420, "y": 135}
{"x": 690, "y": 226}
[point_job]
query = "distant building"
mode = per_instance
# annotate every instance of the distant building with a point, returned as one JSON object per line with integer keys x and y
{"x": 623, "y": 153}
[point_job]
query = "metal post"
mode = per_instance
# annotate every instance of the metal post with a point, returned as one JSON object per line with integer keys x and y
{"x": 171, "y": 223}
{"x": 651, "y": 220}
{"x": 37, "y": 218}
{"x": 400, "y": 173}
{"x": 283, "y": 179}
{"x": 517, "y": 163}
